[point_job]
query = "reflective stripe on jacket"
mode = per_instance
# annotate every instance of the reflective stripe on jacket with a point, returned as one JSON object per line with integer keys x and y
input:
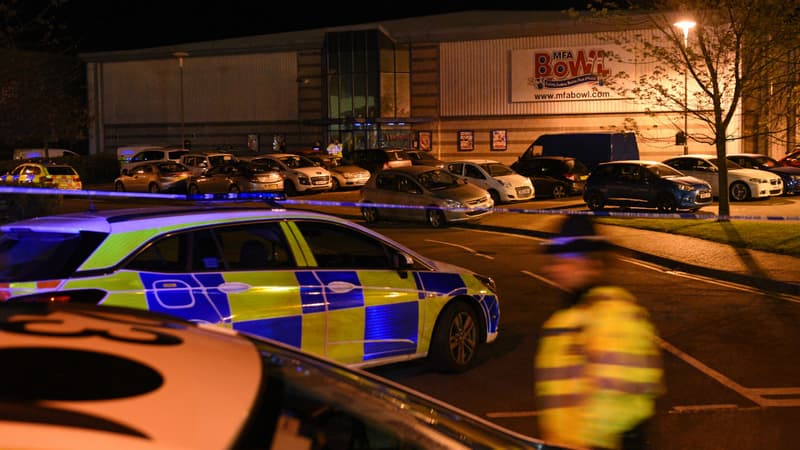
{"x": 598, "y": 370}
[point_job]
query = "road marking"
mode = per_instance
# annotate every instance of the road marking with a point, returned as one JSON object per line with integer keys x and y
{"x": 462, "y": 247}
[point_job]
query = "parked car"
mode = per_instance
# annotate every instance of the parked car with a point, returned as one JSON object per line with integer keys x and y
{"x": 126, "y": 152}
{"x": 344, "y": 173}
{"x": 43, "y": 153}
{"x": 153, "y": 155}
{"x": 553, "y": 176}
{"x": 423, "y": 158}
{"x": 58, "y": 176}
{"x": 789, "y": 174}
{"x": 314, "y": 281}
{"x": 300, "y": 174}
{"x": 379, "y": 158}
{"x": 199, "y": 163}
{"x": 743, "y": 184}
{"x": 644, "y": 184}
{"x": 502, "y": 183}
{"x": 118, "y": 378}
{"x": 154, "y": 177}
{"x": 424, "y": 193}
{"x": 791, "y": 159}
{"x": 239, "y": 176}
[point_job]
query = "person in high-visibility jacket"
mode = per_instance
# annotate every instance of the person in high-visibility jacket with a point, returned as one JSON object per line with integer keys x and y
{"x": 598, "y": 364}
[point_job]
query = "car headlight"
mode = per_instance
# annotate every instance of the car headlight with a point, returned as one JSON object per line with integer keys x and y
{"x": 757, "y": 180}
{"x": 453, "y": 203}
{"x": 505, "y": 184}
{"x": 685, "y": 187}
{"x": 348, "y": 175}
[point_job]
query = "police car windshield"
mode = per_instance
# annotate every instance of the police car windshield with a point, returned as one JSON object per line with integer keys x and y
{"x": 27, "y": 255}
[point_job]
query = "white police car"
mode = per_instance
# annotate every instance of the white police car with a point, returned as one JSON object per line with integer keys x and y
{"x": 317, "y": 282}
{"x": 88, "y": 377}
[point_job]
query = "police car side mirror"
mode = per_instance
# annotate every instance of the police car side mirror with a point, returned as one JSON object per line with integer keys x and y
{"x": 402, "y": 261}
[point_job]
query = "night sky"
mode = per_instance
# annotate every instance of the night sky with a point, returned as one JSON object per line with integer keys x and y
{"x": 108, "y": 25}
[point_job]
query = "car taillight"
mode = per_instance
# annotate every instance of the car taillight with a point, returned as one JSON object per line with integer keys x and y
{"x": 386, "y": 166}
{"x": 82, "y": 296}
{"x": 569, "y": 176}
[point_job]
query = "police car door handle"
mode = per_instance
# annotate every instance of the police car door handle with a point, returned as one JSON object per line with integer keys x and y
{"x": 340, "y": 287}
{"x": 233, "y": 287}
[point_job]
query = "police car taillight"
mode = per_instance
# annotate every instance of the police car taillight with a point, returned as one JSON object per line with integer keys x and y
{"x": 81, "y": 296}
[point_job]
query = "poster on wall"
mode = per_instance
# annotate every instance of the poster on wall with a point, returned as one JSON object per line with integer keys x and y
{"x": 499, "y": 140}
{"x": 466, "y": 140}
{"x": 425, "y": 140}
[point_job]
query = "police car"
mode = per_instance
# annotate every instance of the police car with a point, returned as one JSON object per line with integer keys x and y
{"x": 88, "y": 377}
{"x": 314, "y": 281}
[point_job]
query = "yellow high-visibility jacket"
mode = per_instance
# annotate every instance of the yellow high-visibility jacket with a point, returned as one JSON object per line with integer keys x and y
{"x": 598, "y": 370}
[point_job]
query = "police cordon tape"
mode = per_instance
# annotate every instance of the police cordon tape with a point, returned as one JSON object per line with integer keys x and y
{"x": 279, "y": 198}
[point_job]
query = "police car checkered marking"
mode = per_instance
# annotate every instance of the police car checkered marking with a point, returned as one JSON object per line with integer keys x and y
{"x": 288, "y": 330}
{"x": 193, "y": 297}
{"x": 391, "y": 330}
{"x": 450, "y": 284}
{"x": 314, "y": 292}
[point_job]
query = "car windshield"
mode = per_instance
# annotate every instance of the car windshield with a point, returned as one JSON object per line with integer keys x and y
{"x": 729, "y": 164}
{"x": 295, "y": 162}
{"x": 437, "y": 179}
{"x": 497, "y": 169}
{"x": 664, "y": 171}
{"x": 27, "y": 255}
{"x": 61, "y": 170}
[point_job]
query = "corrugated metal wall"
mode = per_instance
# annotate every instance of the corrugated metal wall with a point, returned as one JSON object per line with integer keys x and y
{"x": 254, "y": 87}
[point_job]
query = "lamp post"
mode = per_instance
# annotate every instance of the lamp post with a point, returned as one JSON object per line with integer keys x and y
{"x": 685, "y": 25}
{"x": 180, "y": 56}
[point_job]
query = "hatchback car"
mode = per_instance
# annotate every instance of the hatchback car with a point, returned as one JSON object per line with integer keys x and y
{"x": 345, "y": 174}
{"x": 82, "y": 376}
{"x": 199, "y": 163}
{"x": 237, "y": 177}
{"x": 380, "y": 158}
{"x": 644, "y": 184}
{"x": 153, "y": 155}
{"x": 423, "y": 193}
{"x": 59, "y": 176}
{"x": 423, "y": 158}
{"x": 155, "y": 177}
{"x": 502, "y": 183}
{"x": 792, "y": 159}
{"x": 789, "y": 174}
{"x": 300, "y": 174}
{"x": 743, "y": 184}
{"x": 553, "y": 176}
{"x": 317, "y": 282}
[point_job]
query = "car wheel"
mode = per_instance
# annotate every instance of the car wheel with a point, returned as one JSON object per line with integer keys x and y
{"x": 740, "y": 192}
{"x": 119, "y": 187}
{"x": 369, "y": 214}
{"x": 335, "y": 184}
{"x": 495, "y": 196}
{"x": 665, "y": 203}
{"x": 193, "y": 189}
{"x": 234, "y": 189}
{"x": 559, "y": 191}
{"x": 454, "y": 343}
{"x": 153, "y": 188}
{"x": 435, "y": 218}
{"x": 290, "y": 188}
{"x": 595, "y": 201}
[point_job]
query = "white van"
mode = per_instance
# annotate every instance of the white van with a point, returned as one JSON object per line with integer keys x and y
{"x": 39, "y": 153}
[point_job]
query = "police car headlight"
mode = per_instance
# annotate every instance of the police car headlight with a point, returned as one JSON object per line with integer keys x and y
{"x": 488, "y": 282}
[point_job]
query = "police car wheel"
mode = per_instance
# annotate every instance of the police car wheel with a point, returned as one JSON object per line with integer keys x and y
{"x": 455, "y": 340}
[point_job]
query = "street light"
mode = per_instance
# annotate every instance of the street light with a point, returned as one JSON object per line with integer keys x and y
{"x": 685, "y": 25}
{"x": 180, "y": 56}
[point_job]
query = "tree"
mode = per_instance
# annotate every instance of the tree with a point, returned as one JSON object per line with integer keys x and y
{"x": 742, "y": 55}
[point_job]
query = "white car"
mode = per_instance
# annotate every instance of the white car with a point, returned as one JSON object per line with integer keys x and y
{"x": 503, "y": 183}
{"x": 300, "y": 174}
{"x": 743, "y": 184}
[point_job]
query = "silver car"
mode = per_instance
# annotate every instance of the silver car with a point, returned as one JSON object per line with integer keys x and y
{"x": 237, "y": 177}
{"x": 344, "y": 173}
{"x": 423, "y": 193}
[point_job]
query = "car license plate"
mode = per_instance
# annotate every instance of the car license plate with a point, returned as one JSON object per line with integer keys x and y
{"x": 704, "y": 195}
{"x": 319, "y": 182}
{"x": 525, "y": 191}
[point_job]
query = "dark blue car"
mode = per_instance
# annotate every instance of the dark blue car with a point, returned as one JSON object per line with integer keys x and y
{"x": 644, "y": 184}
{"x": 790, "y": 175}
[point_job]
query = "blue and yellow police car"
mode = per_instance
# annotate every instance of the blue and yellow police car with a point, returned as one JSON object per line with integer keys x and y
{"x": 314, "y": 281}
